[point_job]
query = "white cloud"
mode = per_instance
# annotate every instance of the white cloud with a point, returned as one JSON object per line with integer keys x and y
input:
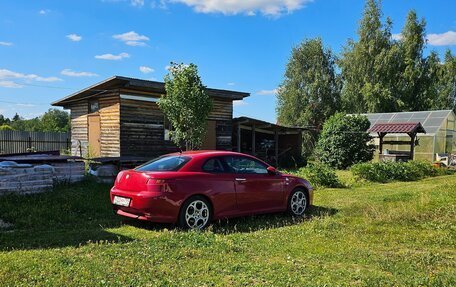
{"x": 239, "y": 103}
{"x": 267, "y": 92}
{"x": 10, "y": 84}
{"x": 135, "y": 43}
{"x": 146, "y": 70}
{"x": 132, "y": 38}
{"x": 74, "y": 37}
{"x": 6, "y": 44}
{"x": 397, "y": 36}
{"x": 71, "y": 73}
{"x": 247, "y": 7}
{"x": 137, "y": 3}
{"x": 231, "y": 84}
{"x": 44, "y": 11}
{"x": 112, "y": 57}
{"x": 7, "y": 74}
{"x": 443, "y": 39}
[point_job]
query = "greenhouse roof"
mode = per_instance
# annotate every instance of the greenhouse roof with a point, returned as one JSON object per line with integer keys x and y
{"x": 430, "y": 120}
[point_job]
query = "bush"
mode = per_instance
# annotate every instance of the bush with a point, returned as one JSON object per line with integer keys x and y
{"x": 391, "y": 171}
{"x": 6, "y": 128}
{"x": 320, "y": 175}
{"x": 344, "y": 141}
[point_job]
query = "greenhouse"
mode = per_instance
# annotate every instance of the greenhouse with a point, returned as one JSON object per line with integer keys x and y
{"x": 439, "y": 136}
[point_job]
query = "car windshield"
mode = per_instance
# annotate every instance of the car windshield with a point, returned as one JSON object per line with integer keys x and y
{"x": 165, "y": 163}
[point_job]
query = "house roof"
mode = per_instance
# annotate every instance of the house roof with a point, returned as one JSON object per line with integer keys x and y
{"x": 397, "y": 128}
{"x": 431, "y": 121}
{"x": 118, "y": 82}
{"x": 246, "y": 121}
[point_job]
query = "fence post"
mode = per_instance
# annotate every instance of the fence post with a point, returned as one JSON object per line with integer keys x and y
{"x": 30, "y": 143}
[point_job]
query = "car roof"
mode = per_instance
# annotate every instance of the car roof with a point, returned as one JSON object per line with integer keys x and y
{"x": 207, "y": 153}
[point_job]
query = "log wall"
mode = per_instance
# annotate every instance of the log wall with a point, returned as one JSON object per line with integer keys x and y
{"x": 142, "y": 130}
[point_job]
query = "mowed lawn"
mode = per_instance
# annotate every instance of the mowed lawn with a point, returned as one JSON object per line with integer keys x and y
{"x": 397, "y": 234}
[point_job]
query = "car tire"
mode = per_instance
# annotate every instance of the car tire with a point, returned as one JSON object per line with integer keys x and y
{"x": 298, "y": 202}
{"x": 195, "y": 213}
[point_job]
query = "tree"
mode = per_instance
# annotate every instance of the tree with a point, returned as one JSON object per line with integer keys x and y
{"x": 55, "y": 120}
{"x": 446, "y": 85}
{"x": 186, "y": 105}
{"x": 309, "y": 93}
{"x": 369, "y": 66}
{"x": 344, "y": 141}
{"x": 16, "y": 118}
{"x": 412, "y": 77}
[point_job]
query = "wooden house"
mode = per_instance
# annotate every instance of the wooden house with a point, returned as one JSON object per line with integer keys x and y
{"x": 120, "y": 117}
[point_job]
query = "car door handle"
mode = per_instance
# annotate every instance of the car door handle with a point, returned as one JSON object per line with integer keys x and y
{"x": 241, "y": 179}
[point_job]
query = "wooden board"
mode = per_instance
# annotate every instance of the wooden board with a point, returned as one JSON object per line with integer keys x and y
{"x": 94, "y": 136}
{"x": 210, "y": 139}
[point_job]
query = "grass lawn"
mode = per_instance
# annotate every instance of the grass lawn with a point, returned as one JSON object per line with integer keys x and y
{"x": 396, "y": 234}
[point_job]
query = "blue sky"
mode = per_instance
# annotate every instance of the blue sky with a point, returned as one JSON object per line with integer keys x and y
{"x": 49, "y": 49}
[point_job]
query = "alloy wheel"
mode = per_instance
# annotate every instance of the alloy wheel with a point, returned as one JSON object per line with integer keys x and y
{"x": 197, "y": 214}
{"x": 298, "y": 203}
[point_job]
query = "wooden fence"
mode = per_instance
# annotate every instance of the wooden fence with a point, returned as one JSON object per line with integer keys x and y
{"x": 21, "y": 142}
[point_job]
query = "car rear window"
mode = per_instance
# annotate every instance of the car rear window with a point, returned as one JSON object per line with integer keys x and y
{"x": 165, "y": 163}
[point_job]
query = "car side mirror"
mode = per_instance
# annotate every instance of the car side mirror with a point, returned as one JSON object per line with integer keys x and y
{"x": 272, "y": 170}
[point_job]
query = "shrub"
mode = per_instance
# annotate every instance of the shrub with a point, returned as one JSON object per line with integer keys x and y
{"x": 344, "y": 141}
{"x": 391, "y": 171}
{"x": 320, "y": 175}
{"x": 6, "y": 128}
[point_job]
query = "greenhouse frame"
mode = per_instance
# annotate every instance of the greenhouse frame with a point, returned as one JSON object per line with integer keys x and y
{"x": 440, "y": 136}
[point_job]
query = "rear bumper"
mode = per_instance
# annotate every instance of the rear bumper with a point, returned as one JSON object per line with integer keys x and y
{"x": 149, "y": 206}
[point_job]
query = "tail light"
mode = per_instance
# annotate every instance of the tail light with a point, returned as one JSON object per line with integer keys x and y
{"x": 157, "y": 185}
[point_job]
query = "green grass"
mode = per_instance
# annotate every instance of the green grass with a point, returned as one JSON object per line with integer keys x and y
{"x": 396, "y": 234}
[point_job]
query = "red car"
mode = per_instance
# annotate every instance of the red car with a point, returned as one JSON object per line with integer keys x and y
{"x": 194, "y": 188}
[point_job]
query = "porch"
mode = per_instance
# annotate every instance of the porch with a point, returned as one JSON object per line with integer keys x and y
{"x": 269, "y": 142}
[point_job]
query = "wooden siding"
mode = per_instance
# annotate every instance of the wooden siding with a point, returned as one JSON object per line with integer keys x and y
{"x": 142, "y": 131}
{"x": 109, "y": 112}
{"x": 222, "y": 109}
{"x": 79, "y": 128}
{"x": 135, "y": 128}
{"x": 110, "y": 125}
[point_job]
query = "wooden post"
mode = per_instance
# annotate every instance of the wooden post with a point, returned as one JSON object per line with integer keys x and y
{"x": 276, "y": 138}
{"x": 412, "y": 144}
{"x": 239, "y": 137}
{"x": 253, "y": 139}
{"x": 30, "y": 143}
{"x": 380, "y": 145}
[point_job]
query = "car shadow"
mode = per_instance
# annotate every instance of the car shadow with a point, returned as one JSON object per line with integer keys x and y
{"x": 268, "y": 221}
{"x": 244, "y": 224}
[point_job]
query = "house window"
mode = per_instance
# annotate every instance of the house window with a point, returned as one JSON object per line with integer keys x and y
{"x": 93, "y": 106}
{"x": 167, "y": 129}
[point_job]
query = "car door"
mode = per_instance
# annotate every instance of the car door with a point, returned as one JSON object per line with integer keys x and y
{"x": 256, "y": 189}
{"x": 220, "y": 184}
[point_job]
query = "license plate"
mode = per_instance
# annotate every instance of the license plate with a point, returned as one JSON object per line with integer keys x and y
{"x": 122, "y": 201}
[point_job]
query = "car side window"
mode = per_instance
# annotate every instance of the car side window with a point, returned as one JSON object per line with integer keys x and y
{"x": 213, "y": 165}
{"x": 245, "y": 165}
